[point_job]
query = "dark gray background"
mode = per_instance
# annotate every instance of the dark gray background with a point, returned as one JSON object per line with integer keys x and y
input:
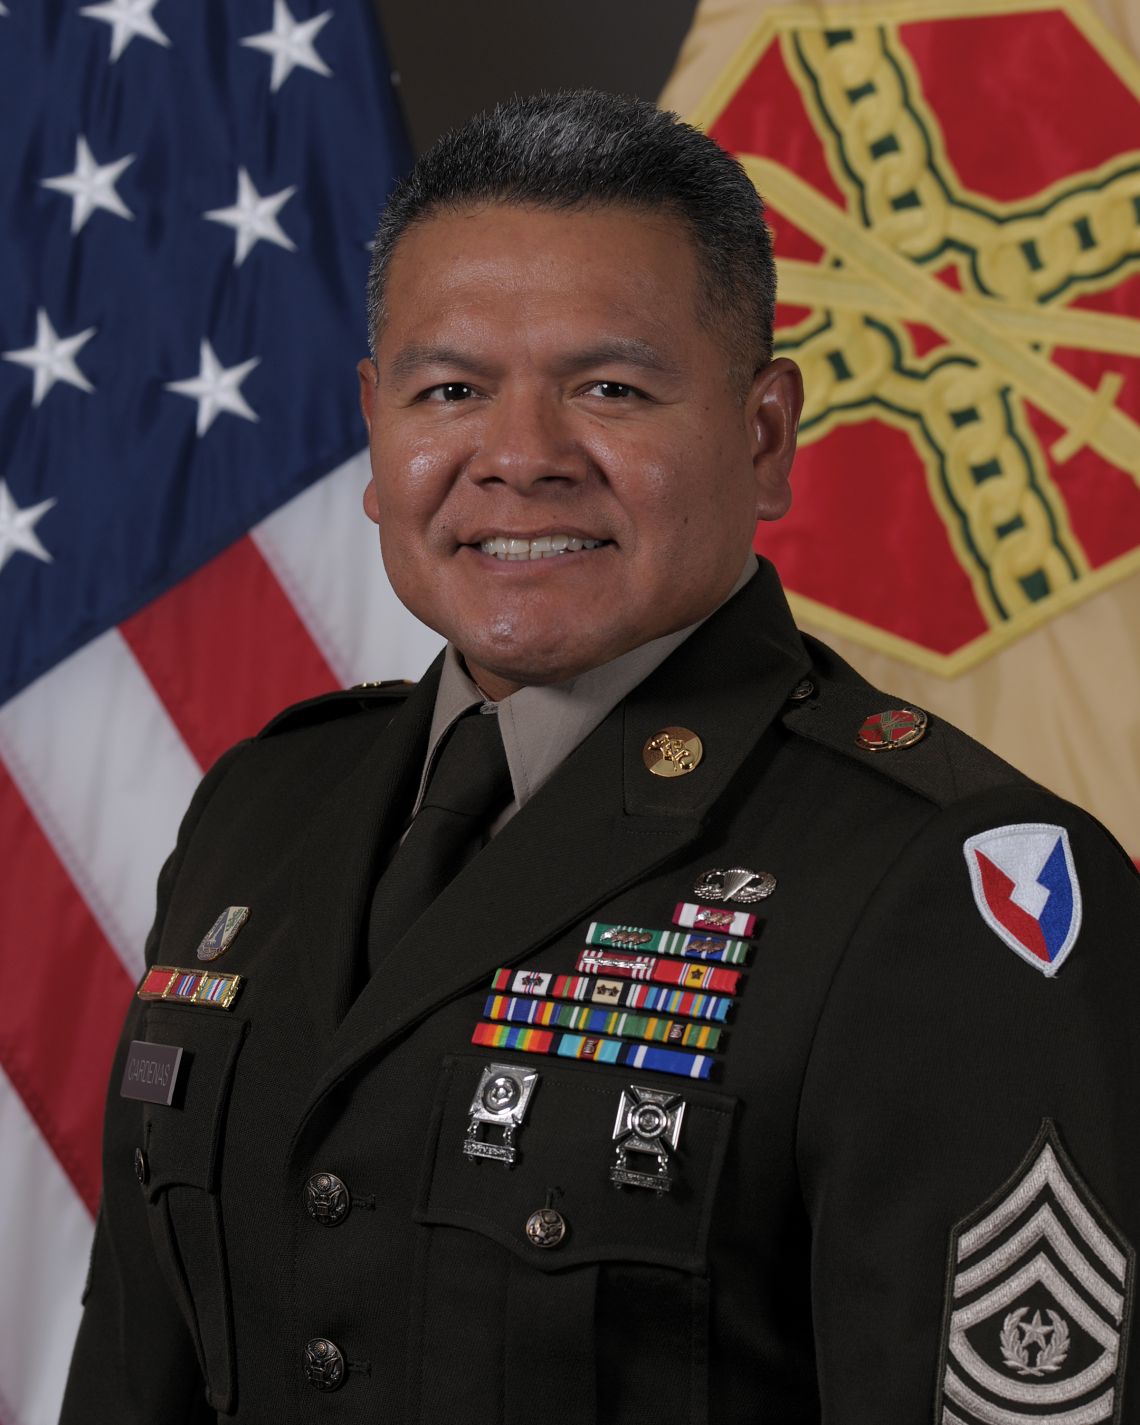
{"x": 454, "y": 57}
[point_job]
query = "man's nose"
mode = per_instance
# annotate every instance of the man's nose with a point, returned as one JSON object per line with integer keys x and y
{"x": 527, "y": 440}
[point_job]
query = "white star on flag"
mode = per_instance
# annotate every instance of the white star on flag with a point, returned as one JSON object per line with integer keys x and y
{"x": 18, "y": 527}
{"x": 254, "y": 218}
{"x": 290, "y": 42}
{"x": 216, "y": 388}
{"x": 91, "y": 185}
{"x": 52, "y": 358}
{"x": 127, "y": 19}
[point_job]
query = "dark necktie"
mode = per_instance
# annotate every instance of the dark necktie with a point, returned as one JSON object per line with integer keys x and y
{"x": 470, "y": 784}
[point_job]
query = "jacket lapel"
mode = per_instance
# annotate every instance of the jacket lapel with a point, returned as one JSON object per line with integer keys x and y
{"x": 339, "y": 859}
{"x": 600, "y": 824}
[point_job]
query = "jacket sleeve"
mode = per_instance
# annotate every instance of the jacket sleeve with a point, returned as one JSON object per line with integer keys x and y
{"x": 968, "y": 1144}
{"x": 134, "y": 1362}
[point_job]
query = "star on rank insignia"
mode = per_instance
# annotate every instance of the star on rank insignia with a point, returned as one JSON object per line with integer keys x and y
{"x": 218, "y": 939}
{"x": 1040, "y": 1285}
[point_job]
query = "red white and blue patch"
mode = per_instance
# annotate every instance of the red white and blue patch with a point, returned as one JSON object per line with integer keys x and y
{"x": 1026, "y": 888}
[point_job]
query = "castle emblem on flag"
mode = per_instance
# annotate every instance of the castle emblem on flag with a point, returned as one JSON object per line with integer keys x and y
{"x": 1025, "y": 886}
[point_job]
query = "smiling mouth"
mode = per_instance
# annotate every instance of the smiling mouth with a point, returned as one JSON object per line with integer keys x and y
{"x": 547, "y": 546}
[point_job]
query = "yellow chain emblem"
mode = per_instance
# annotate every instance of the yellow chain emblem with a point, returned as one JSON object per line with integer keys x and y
{"x": 1019, "y": 268}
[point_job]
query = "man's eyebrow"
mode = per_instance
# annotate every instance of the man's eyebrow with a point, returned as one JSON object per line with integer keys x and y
{"x": 626, "y": 350}
{"x": 416, "y": 356}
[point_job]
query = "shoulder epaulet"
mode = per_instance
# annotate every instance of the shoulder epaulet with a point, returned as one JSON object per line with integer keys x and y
{"x": 890, "y": 736}
{"x": 346, "y": 702}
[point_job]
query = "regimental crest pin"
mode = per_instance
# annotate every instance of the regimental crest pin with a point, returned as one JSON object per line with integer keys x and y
{"x": 218, "y": 939}
{"x": 1026, "y": 889}
{"x": 1040, "y": 1288}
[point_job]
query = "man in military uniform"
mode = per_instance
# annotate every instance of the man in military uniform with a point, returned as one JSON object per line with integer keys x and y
{"x": 642, "y": 1018}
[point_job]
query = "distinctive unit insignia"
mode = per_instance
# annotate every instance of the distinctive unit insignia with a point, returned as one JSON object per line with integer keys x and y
{"x": 888, "y": 731}
{"x": 1026, "y": 889}
{"x": 501, "y": 1101}
{"x": 1041, "y": 1283}
{"x": 738, "y": 885}
{"x": 218, "y": 939}
{"x": 648, "y": 1124}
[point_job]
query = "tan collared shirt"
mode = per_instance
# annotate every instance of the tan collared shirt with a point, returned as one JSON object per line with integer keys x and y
{"x": 541, "y": 726}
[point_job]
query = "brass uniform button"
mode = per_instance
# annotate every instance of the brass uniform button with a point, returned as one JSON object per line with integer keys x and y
{"x": 327, "y": 1200}
{"x": 323, "y": 1364}
{"x": 142, "y": 1167}
{"x": 673, "y": 752}
{"x": 546, "y": 1228}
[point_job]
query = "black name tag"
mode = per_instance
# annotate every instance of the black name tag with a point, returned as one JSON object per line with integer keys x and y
{"x": 151, "y": 1072}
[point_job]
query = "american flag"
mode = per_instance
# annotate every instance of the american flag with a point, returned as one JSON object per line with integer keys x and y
{"x": 188, "y": 196}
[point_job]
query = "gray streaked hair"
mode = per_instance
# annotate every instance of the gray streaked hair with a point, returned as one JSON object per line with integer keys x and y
{"x": 581, "y": 148}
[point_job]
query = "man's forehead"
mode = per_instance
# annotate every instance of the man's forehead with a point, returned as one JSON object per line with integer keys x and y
{"x": 496, "y": 226}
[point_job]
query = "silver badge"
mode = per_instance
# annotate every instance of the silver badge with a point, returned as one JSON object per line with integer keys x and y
{"x": 1041, "y": 1283}
{"x": 501, "y": 1100}
{"x": 648, "y": 1124}
{"x": 738, "y": 885}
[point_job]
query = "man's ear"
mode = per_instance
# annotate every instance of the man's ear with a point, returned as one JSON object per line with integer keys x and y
{"x": 772, "y": 409}
{"x": 366, "y": 372}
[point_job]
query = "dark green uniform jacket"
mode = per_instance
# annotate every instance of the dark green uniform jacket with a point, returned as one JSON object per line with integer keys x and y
{"x": 906, "y": 1193}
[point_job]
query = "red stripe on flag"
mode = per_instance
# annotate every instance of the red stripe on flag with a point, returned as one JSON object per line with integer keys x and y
{"x": 63, "y": 995}
{"x": 225, "y": 651}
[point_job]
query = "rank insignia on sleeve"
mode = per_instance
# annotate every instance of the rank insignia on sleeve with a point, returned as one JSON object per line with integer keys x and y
{"x": 1037, "y": 1303}
{"x": 1026, "y": 889}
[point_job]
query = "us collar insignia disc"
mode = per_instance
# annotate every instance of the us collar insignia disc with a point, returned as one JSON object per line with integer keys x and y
{"x": 501, "y": 1100}
{"x": 738, "y": 885}
{"x": 698, "y": 946}
{"x": 197, "y": 987}
{"x": 1026, "y": 890}
{"x": 673, "y": 752}
{"x": 890, "y": 730}
{"x": 1037, "y": 1300}
{"x": 599, "y": 989}
{"x": 219, "y": 937}
{"x": 707, "y": 917}
{"x": 648, "y": 1124}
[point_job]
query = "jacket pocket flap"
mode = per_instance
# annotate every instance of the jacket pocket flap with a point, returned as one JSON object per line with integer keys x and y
{"x": 184, "y": 1139}
{"x": 566, "y": 1150}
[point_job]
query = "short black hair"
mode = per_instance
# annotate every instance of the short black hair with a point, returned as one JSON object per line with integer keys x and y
{"x": 581, "y": 148}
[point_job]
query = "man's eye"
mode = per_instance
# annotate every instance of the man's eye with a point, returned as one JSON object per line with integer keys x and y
{"x": 613, "y": 390}
{"x": 448, "y": 391}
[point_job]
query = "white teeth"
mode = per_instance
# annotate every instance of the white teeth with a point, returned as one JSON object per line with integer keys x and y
{"x": 547, "y": 546}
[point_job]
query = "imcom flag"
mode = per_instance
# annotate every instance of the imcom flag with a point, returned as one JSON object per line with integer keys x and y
{"x": 954, "y": 189}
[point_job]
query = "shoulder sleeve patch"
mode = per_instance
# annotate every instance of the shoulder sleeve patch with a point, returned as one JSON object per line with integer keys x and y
{"x": 1026, "y": 890}
{"x": 1038, "y": 1302}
